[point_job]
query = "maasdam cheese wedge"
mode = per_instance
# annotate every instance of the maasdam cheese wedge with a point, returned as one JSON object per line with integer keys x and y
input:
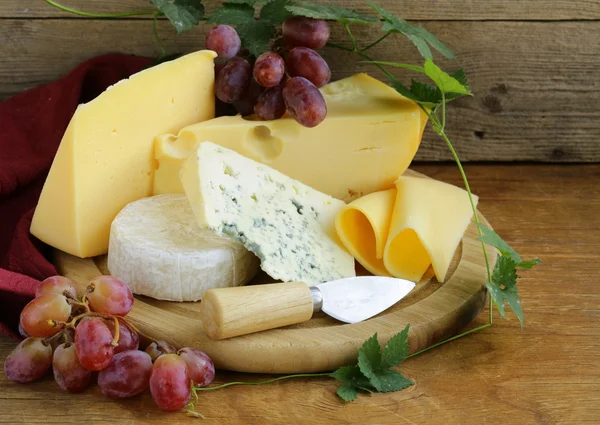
{"x": 158, "y": 249}
{"x": 368, "y": 139}
{"x": 105, "y": 159}
{"x": 288, "y": 225}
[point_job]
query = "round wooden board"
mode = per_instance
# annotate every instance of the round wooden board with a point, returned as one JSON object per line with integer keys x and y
{"x": 434, "y": 311}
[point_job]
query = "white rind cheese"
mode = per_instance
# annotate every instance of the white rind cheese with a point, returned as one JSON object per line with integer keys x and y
{"x": 157, "y": 248}
{"x": 288, "y": 225}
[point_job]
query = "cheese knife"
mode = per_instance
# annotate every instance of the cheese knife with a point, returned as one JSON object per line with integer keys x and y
{"x": 229, "y": 312}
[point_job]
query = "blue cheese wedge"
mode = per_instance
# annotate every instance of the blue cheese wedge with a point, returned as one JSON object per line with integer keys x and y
{"x": 289, "y": 226}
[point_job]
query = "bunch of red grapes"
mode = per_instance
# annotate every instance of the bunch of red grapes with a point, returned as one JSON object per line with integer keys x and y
{"x": 80, "y": 337}
{"x": 286, "y": 79}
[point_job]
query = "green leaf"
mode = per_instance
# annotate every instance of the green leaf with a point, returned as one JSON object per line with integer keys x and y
{"x": 347, "y": 392}
{"x": 529, "y": 264}
{"x": 329, "y": 13}
{"x": 256, "y": 36}
{"x": 369, "y": 357}
{"x": 389, "y": 380}
{"x": 419, "y": 36}
{"x": 232, "y": 14}
{"x": 503, "y": 287}
{"x": 492, "y": 238}
{"x": 395, "y": 350}
{"x": 445, "y": 82}
{"x": 183, "y": 14}
{"x": 275, "y": 12}
{"x": 248, "y": 2}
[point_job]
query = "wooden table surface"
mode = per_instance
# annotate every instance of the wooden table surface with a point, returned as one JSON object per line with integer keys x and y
{"x": 548, "y": 373}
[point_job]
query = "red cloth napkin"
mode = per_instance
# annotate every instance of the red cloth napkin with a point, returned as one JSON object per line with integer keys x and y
{"x": 31, "y": 127}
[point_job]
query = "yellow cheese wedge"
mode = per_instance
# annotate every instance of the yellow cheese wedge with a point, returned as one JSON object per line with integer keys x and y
{"x": 363, "y": 228}
{"x": 428, "y": 222}
{"x": 105, "y": 159}
{"x": 368, "y": 139}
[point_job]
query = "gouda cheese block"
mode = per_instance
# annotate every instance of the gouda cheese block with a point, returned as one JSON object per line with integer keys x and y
{"x": 368, "y": 139}
{"x": 105, "y": 159}
{"x": 363, "y": 228}
{"x": 428, "y": 222}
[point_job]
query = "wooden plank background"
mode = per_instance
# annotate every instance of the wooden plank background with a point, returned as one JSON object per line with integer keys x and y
{"x": 534, "y": 65}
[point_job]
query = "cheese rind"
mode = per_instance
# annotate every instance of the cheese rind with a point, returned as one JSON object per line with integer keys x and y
{"x": 287, "y": 224}
{"x": 363, "y": 228}
{"x": 368, "y": 139}
{"x": 157, "y": 248}
{"x": 428, "y": 222}
{"x": 105, "y": 159}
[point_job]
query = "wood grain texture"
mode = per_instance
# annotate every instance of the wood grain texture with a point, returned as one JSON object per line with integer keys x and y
{"x": 408, "y": 9}
{"x": 434, "y": 312}
{"x": 536, "y": 84}
{"x": 546, "y": 374}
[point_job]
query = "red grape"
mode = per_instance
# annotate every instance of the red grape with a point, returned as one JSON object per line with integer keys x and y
{"x": 128, "y": 338}
{"x": 233, "y": 80}
{"x": 304, "y": 102}
{"x": 270, "y": 104}
{"x": 201, "y": 368}
{"x": 269, "y": 69}
{"x": 29, "y": 361}
{"x": 224, "y": 40}
{"x": 22, "y": 331}
{"x": 170, "y": 382}
{"x": 56, "y": 285}
{"x": 109, "y": 295}
{"x": 93, "y": 343}
{"x": 304, "y": 62}
{"x": 305, "y": 32}
{"x": 158, "y": 348}
{"x": 127, "y": 375}
{"x": 35, "y": 315}
{"x": 245, "y": 106}
{"x": 69, "y": 373}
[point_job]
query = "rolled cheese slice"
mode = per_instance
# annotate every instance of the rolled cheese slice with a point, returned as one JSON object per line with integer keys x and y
{"x": 159, "y": 250}
{"x": 428, "y": 222}
{"x": 363, "y": 227}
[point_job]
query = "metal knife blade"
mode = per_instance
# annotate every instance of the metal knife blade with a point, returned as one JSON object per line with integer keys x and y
{"x": 355, "y": 299}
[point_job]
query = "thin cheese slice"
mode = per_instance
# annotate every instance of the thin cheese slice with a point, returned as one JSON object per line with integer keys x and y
{"x": 368, "y": 139}
{"x": 428, "y": 222}
{"x": 363, "y": 228}
{"x": 105, "y": 159}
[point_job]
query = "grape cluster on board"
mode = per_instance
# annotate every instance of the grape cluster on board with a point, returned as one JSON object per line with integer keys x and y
{"x": 78, "y": 337}
{"x": 278, "y": 81}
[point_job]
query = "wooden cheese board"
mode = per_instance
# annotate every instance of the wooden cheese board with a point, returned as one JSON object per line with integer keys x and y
{"x": 434, "y": 311}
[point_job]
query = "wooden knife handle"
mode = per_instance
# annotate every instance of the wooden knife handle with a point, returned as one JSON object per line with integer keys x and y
{"x": 229, "y": 312}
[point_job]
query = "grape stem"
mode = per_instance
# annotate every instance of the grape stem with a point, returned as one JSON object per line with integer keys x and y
{"x": 268, "y": 381}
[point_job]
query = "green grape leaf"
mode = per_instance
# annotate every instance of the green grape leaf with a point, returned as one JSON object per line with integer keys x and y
{"x": 183, "y": 14}
{"x": 395, "y": 350}
{"x": 529, "y": 264}
{"x": 347, "y": 392}
{"x": 329, "y": 13}
{"x": 256, "y": 36}
{"x": 232, "y": 14}
{"x": 445, "y": 82}
{"x": 503, "y": 287}
{"x": 369, "y": 357}
{"x": 275, "y": 12}
{"x": 248, "y": 2}
{"x": 419, "y": 36}
{"x": 389, "y": 380}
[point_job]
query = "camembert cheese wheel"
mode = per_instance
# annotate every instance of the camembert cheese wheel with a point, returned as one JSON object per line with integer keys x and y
{"x": 157, "y": 248}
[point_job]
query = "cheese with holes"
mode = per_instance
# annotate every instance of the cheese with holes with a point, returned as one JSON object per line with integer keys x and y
{"x": 288, "y": 225}
{"x": 105, "y": 159}
{"x": 158, "y": 249}
{"x": 368, "y": 139}
{"x": 401, "y": 232}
